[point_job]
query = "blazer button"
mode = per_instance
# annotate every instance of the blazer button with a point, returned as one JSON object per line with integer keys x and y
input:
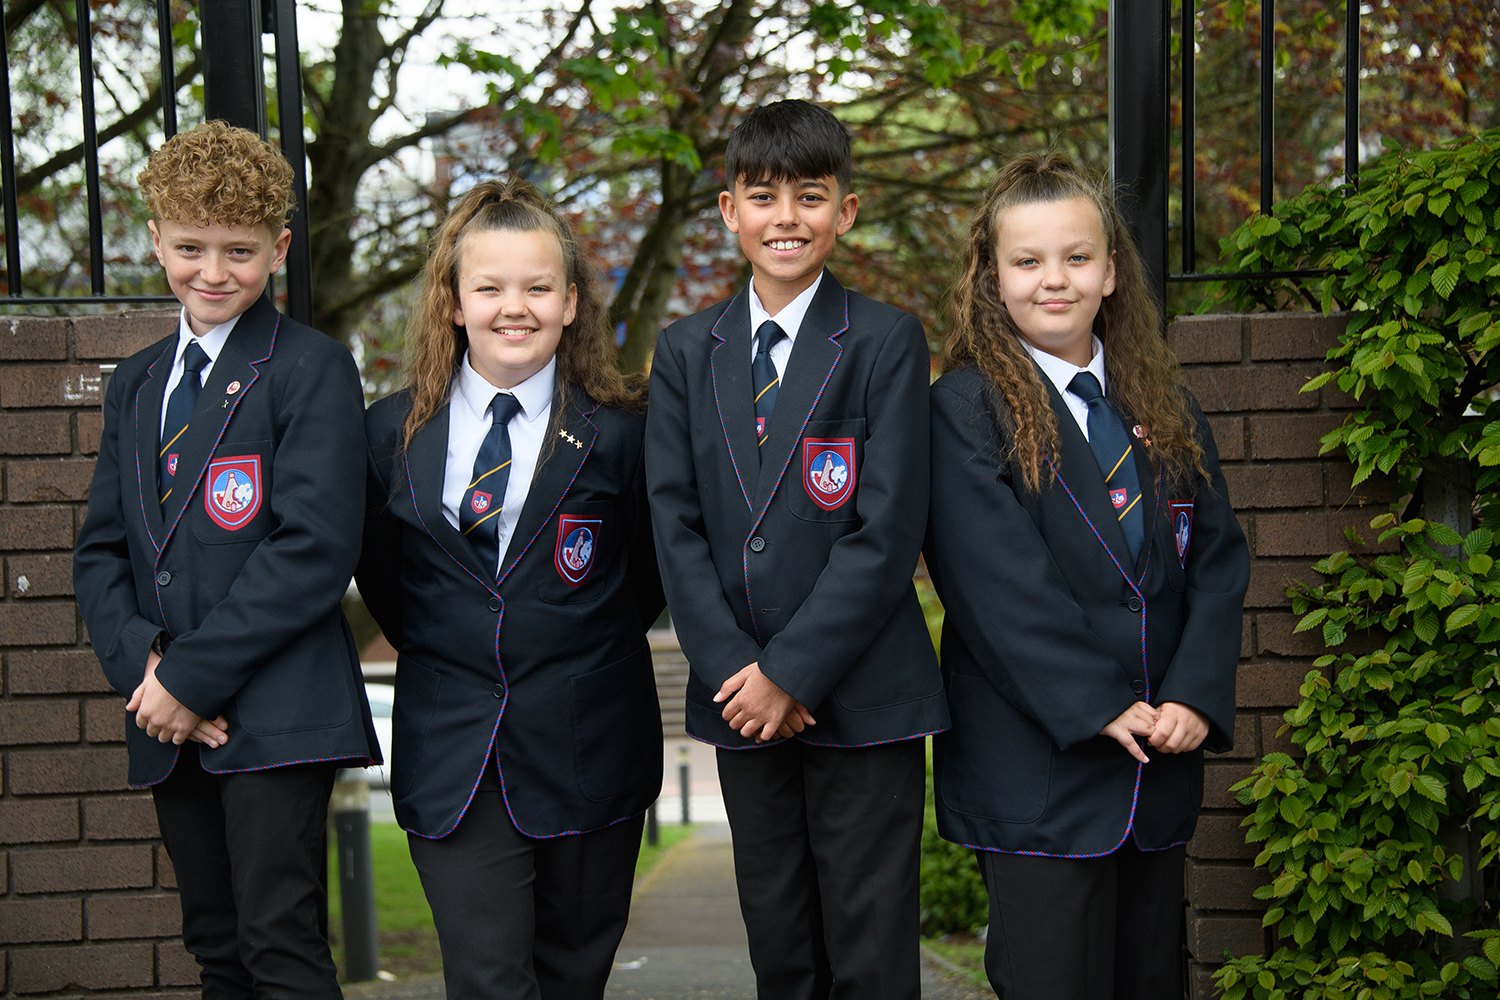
{"x": 163, "y": 578}
{"x": 494, "y": 604}
{"x": 757, "y": 544}
{"x": 1139, "y": 687}
{"x": 1134, "y": 604}
{"x": 498, "y": 691}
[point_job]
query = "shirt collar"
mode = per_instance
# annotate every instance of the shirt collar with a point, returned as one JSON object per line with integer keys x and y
{"x": 1061, "y": 372}
{"x": 791, "y": 316}
{"x": 212, "y": 342}
{"x": 534, "y": 394}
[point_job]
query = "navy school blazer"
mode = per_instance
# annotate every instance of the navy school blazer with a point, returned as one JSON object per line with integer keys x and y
{"x": 244, "y": 584}
{"x": 1051, "y": 633}
{"x": 548, "y": 668}
{"x": 802, "y": 559}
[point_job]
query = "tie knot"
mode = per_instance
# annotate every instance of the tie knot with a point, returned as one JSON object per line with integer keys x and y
{"x": 502, "y": 408}
{"x": 767, "y": 336}
{"x": 1086, "y": 387}
{"x": 194, "y": 358}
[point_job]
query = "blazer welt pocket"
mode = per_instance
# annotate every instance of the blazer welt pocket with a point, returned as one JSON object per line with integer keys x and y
{"x": 233, "y": 501}
{"x": 616, "y": 723}
{"x": 823, "y": 478}
{"x": 416, "y": 701}
{"x": 579, "y": 546}
{"x": 997, "y": 763}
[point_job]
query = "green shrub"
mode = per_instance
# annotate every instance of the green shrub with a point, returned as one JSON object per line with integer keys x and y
{"x": 1380, "y": 842}
{"x": 953, "y": 899}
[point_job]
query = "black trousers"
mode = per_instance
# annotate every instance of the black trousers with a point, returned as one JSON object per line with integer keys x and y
{"x": 525, "y": 919}
{"x": 248, "y": 852}
{"x": 1105, "y": 928}
{"x": 827, "y": 842}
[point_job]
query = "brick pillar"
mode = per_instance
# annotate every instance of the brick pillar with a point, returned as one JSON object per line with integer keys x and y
{"x": 87, "y": 896}
{"x": 1246, "y": 371}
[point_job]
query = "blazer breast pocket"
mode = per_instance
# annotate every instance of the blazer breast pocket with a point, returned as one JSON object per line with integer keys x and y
{"x": 232, "y": 503}
{"x": 824, "y": 473}
{"x": 581, "y": 543}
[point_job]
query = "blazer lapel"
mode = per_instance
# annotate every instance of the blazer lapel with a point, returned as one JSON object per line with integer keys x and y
{"x": 734, "y": 390}
{"x": 250, "y": 344}
{"x": 426, "y": 463}
{"x": 815, "y": 354}
{"x": 1079, "y": 470}
{"x": 562, "y": 456}
{"x": 1146, "y": 472}
{"x": 148, "y": 407}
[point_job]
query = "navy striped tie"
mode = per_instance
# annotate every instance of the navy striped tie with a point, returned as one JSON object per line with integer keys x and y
{"x": 1112, "y": 450}
{"x": 179, "y": 411}
{"x": 766, "y": 379}
{"x": 479, "y": 516}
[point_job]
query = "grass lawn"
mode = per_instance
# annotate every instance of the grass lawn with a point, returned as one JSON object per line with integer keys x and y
{"x": 408, "y": 943}
{"x": 965, "y": 952}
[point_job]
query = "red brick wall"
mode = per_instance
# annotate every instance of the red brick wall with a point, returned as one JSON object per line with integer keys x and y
{"x": 87, "y": 896}
{"x": 1246, "y": 372}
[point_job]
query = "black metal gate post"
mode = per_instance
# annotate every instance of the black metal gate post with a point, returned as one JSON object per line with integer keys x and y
{"x": 234, "y": 83}
{"x": 1139, "y": 117}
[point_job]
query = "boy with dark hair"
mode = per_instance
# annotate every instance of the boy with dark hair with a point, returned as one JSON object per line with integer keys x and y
{"x": 787, "y": 462}
{"x": 223, "y": 525}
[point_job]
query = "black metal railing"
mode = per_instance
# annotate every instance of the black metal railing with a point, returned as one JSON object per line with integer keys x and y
{"x": 234, "y": 90}
{"x": 1140, "y": 124}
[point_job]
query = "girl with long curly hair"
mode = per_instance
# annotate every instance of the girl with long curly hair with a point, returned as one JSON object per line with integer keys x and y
{"x": 508, "y": 557}
{"x": 1093, "y": 574}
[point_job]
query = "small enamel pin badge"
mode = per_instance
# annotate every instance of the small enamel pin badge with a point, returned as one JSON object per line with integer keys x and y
{"x": 231, "y": 388}
{"x": 566, "y": 436}
{"x": 1140, "y": 432}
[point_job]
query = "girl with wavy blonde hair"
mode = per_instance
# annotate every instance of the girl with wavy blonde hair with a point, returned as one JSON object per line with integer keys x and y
{"x": 1093, "y": 575}
{"x": 508, "y": 557}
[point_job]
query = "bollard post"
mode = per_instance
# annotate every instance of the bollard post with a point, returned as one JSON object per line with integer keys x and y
{"x": 350, "y": 809}
{"x": 682, "y": 780}
{"x": 653, "y": 832}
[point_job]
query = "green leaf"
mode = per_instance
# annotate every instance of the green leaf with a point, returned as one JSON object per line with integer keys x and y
{"x": 1445, "y": 278}
{"x": 1442, "y": 534}
{"x": 1429, "y": 786}
{"x": 1463, "y": 616}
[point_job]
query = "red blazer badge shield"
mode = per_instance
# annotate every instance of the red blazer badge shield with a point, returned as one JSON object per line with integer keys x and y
{"x": 577, "y": 541}
{"x": 828, "y": 470}
{"x": 1182, "y": 528}
{"x": 233, "y": 494}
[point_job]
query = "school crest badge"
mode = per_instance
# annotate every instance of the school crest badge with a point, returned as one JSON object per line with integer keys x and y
{"x": 172, "y": 464}
{"x": 1182, "y": 528}
{"x": 479, "y": 502}
{"x": 828, "y": 470}
{"x": 233, "y": 494}
{"x": 1119, "y": 497}
{"x": 577, "y": 540}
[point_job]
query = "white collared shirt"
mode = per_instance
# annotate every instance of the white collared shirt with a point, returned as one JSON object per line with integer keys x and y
{"x": 1061, "y": 373}
{"x": 469, "y": 422}
{"x": 212, "y": 343}
{"x": 789, "y": 319}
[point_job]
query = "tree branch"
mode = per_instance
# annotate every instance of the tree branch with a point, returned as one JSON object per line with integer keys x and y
{"x": 147, "y": 109}
{"x": 16, "y": 13}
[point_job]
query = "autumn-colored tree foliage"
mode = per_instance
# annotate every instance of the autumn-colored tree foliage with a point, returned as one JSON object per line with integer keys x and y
{"x": 1429, "y": 72}
{"x": 623, "y": 114}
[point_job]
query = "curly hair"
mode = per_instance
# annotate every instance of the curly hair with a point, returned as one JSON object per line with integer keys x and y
{"x": 217, "y": 174}
{"x": 1141, "y": 369}
{"x": 436, "y": 345}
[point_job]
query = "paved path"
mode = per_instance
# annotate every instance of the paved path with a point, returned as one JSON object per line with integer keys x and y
{"x": 685, "y": 941}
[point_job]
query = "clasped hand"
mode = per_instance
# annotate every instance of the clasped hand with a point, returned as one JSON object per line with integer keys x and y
{"x": 166, "y": 719}
{"x": 1172, "y": 728}
{"x": 757, "y": 707}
